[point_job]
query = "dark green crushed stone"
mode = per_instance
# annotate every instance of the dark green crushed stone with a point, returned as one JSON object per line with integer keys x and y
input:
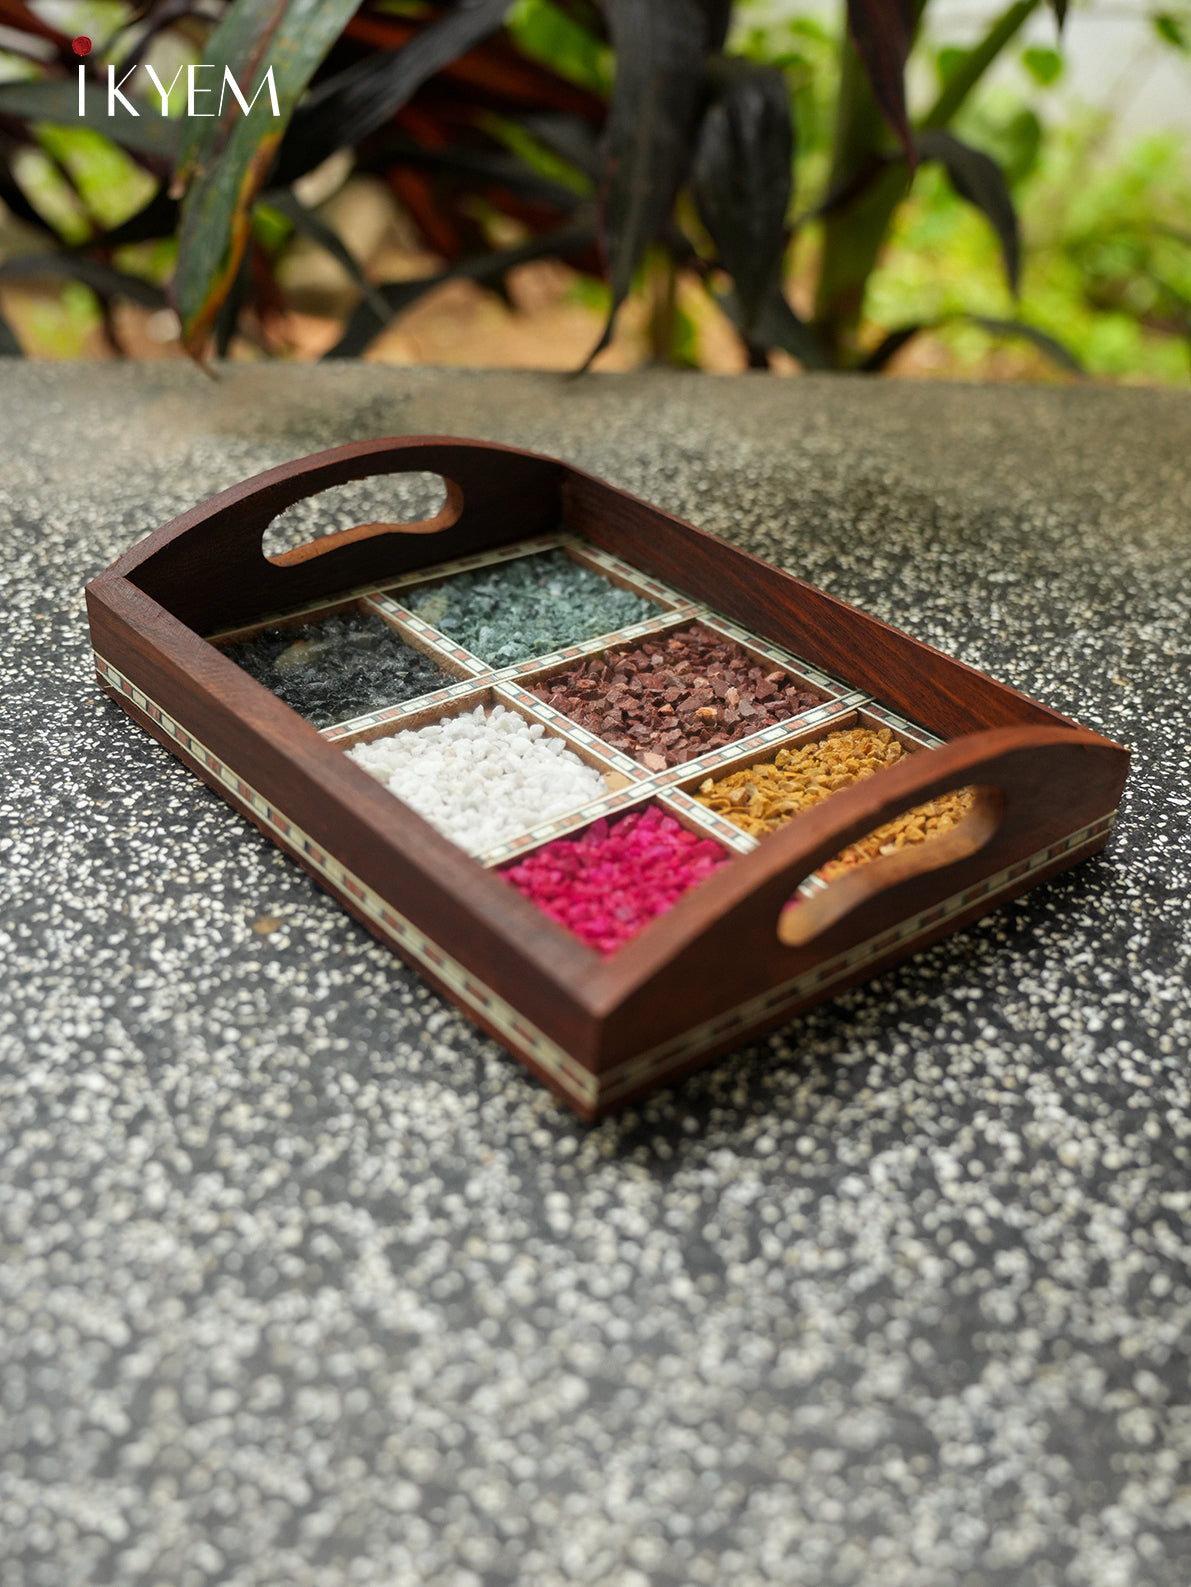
{"x": 527, "y": 607}
{"x": 353, "y": 662}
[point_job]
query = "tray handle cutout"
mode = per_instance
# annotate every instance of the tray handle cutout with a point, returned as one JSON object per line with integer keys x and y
{"x": 447, "y": 514}
{"x": 802, "y": 919}
{"x": 208, "y": 567}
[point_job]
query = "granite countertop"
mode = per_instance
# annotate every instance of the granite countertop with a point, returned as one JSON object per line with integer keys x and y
{"x": 304, "y": 1282}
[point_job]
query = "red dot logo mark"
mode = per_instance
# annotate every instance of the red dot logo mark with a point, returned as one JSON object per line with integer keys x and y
{"x": 81, "y": 45}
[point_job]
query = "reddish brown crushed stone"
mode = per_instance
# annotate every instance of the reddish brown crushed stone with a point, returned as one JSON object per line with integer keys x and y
{"x": 675, "y": 696}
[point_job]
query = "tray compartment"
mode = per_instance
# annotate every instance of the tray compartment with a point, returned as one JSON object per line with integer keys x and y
{"x": 757, "y": 781}
{"x": 674, "y": 696}
{"x": 606, "y": 883}
{"x": 507, "y": 612}
{"x": 484, "y": 774}
{"x": 339, "y": 664}
{"x": 762, "y": 791}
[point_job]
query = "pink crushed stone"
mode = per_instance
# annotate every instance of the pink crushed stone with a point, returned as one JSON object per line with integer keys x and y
{"x": 612, "y": 880}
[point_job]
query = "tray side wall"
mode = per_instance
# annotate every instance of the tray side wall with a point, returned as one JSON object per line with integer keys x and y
{"x": 899, "y": 671}
{"x": 246, "y": 743}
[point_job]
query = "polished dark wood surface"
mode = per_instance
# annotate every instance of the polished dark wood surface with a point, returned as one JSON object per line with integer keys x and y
{"x": 913, "y": 678}
{"x": 207, "y": 567}
{"x": 719, "y": 946}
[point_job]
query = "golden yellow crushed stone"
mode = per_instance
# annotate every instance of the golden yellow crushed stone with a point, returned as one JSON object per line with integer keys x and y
{"x": 924, "y": 821}
{"x": 760, "y": 799}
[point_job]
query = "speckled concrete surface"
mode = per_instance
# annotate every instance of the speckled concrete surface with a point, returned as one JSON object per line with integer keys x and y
{"x": 303, "y": 1283}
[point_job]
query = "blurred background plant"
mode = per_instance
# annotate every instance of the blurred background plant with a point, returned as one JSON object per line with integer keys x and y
{"x": 709, "y": 184}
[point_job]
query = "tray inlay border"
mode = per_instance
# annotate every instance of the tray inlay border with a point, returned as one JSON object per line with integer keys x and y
{"x": 468, "y": 988}
{"x": 587, "y": 1088}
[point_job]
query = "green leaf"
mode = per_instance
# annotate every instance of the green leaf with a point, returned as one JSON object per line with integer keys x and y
{"x": 742, "y": 178}
{"x": 242, "y": 42}
{"x": 149, "y": 133}
{"x": 1019, "y": 144}
{"x": 977, "y": 178}
{"x": 231, "y": 155}
{"x": 650, "y": 132}
{"x": 948, "y": 60}
{"x": 1044, "y": 66}
{"x": 1170, "y": 29}
{"x": 549, "y": 35}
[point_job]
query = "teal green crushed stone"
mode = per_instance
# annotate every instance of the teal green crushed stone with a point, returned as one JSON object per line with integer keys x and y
{"x": 527, "y": 607}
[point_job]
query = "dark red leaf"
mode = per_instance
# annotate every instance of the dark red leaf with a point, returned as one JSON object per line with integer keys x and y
{"x": 568, "y": 136}
{"x": 776, "y": 325}
{"x": 883, "y": 31}
{"x": 346, "y": 107}
{"x": 890, "y": 345}
{"x": 1054, "y": 349}
{"x": 365, "y": 324}
{"x": 15, "y": 14}
{"x": 978, "y": 178}
{"x": 742, "y": 178}
{"x": 651, "y": 123}
{"x": 719, "y": 20}
{"x": 19, "y": 206}
{"x": 101, "y": 278}
{"x": 897, "y": 339}
{"x": 9, "y": 346}
{"x": 495, "y": 67}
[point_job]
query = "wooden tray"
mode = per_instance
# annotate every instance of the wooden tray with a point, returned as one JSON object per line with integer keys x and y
{"x": 730, "y": 959}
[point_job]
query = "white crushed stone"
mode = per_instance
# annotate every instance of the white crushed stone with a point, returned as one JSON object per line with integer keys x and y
{"x": 481, "y": 777}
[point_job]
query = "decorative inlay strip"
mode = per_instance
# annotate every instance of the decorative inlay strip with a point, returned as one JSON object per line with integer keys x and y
{"x": 477, "y": 559}
{"x": 587, "y": 1089}
{"x": 672, "y": 1054}
{"x": 470, "y": 991}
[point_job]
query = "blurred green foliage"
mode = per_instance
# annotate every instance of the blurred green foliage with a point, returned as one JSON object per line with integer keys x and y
{"x": 1107, "y": 268}
{"x": 1106, "y": 229}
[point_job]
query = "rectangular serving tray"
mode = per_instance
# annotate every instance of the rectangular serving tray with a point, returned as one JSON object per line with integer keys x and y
{"x": 735, "y": 956}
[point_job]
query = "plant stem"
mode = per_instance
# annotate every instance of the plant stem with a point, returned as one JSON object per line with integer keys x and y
{"x": 975, "y": 63}
{"x": 663, "y": 307}
{"x": 853, "y": 236}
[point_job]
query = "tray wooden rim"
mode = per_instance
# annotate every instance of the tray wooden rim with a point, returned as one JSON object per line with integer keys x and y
{"x": 1009, "y": 738}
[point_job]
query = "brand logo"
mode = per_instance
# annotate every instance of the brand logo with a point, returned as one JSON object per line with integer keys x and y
{"x": 82, "y": 46}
